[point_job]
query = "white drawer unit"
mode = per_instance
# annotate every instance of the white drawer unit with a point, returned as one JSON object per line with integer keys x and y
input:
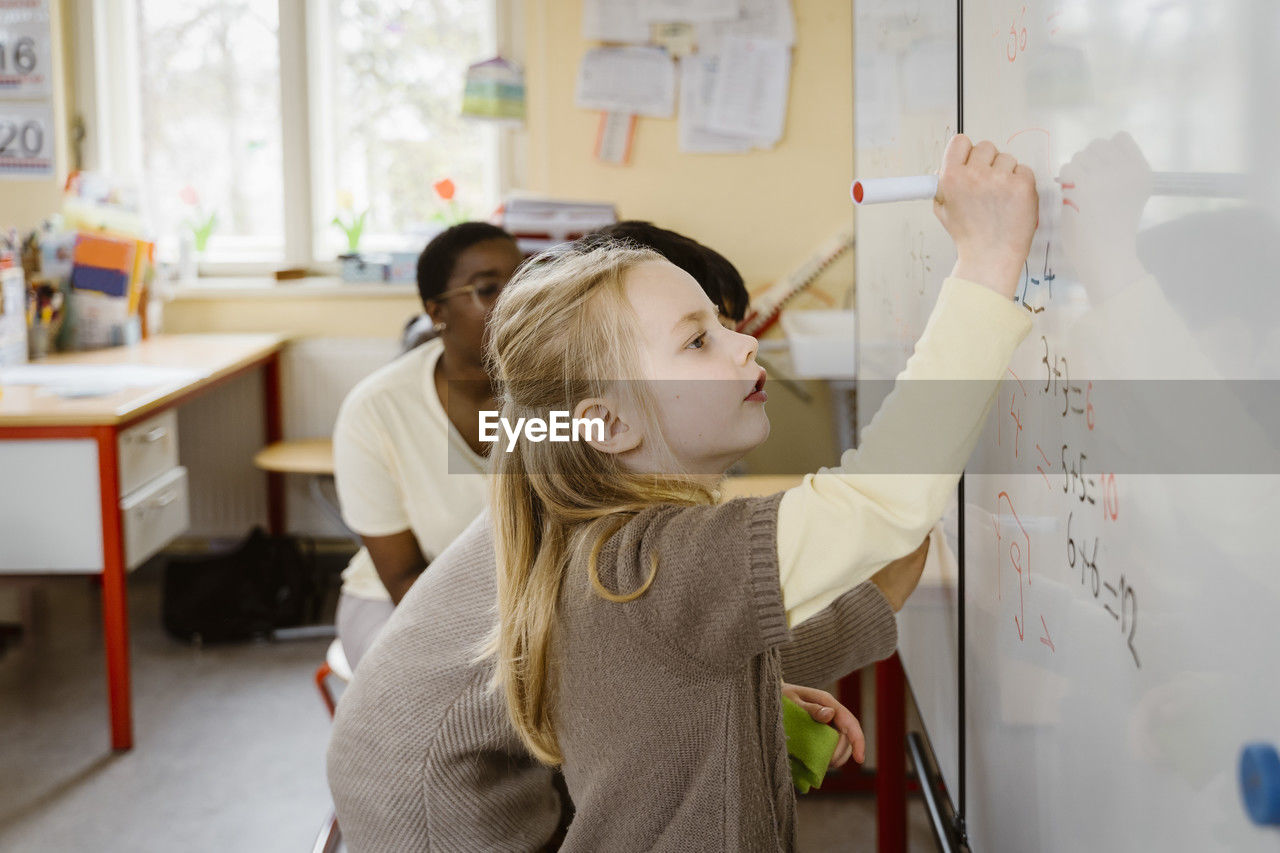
{"x": 154, "y": 516}
{"x": 147, "y": 450}
{"x": 52, "y": 522}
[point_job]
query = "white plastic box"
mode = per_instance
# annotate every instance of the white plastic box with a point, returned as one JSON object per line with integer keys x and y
{"x": 13, "y": 316}
{"x": 822, "y": 343}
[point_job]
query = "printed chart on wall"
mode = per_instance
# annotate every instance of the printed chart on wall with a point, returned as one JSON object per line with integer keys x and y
{"x": 1120, "y": 560}
{"x": 26, "y": 105}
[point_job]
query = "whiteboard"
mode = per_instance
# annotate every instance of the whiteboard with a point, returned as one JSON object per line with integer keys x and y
{"x": 905, "y": 105}
{"x": 1121, "y": 586}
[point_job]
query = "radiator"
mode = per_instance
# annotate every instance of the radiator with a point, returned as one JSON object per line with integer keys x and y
{"x": 219, "y": 432}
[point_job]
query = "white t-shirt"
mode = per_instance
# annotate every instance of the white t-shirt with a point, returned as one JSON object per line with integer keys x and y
{"x": 401, "y": 465}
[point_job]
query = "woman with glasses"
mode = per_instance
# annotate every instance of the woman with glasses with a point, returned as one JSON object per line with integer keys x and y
{"x": 409, "y": 463}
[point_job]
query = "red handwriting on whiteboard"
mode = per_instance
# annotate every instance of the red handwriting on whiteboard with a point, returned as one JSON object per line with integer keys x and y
{"x": 1019, "y": 555}
{"x": 1016, "y": 43}
{"x": 1046, "y": 639}
{"x": 1015, "y": 413}
{"x": 1066, "y": 202}
{"x": 1110, "y": 498}
{"x": 1040, "y": 466}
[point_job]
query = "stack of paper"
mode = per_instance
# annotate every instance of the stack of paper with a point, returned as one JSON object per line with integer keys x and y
{"x": 540, "y": 223}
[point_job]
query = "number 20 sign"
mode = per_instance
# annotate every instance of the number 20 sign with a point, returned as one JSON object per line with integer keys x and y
{"x": 26, "y": 140}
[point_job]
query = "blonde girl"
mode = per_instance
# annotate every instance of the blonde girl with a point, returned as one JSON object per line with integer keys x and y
{"x": 639, "y": 621}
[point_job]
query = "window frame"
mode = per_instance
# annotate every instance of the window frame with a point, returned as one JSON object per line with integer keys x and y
{"x": 108, "y": 97}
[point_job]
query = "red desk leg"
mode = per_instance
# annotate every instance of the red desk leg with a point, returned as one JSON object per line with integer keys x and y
{"x": 891, "y": 757}
{"x": 115, "y": 605}
{"x": 275, "y": 432}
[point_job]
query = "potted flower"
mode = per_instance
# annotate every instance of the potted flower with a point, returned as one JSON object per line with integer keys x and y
{"x": 449, "y": 214}
{"x": 350, "y": 222}
{"x": 199, "y": 228}
{"x": 354, "y": 268}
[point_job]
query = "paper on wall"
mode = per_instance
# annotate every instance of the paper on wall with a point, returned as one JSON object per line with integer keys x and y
{"x": 678, "y": 38}
{"x": 640, "y": 80}
{"x": 689, "y": 10}
{"x": 750, "y": 94}
{"x": 759, "y": 19}
{"x": 26, "y": 66}
{"x": 614, "y": 20}
{"x": 27, "y": 134}
{"x": 697, "y": 79}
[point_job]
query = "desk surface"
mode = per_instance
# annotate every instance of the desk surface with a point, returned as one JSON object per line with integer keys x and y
{"x": 189, "y": 362}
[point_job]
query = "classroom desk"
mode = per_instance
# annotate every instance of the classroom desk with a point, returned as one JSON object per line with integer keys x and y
{"x": 197, "y": 364}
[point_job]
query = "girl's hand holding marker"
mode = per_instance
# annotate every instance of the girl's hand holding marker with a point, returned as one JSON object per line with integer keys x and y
{"x": 987, "y": 201}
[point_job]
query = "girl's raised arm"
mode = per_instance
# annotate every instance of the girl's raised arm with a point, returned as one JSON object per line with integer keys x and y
{"x": 841, "y": 525}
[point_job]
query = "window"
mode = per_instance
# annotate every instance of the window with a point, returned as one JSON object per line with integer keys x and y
{"x": 209, "y": 93}
{"x": 389, "y": 109}
{"x": 265, "y": 119}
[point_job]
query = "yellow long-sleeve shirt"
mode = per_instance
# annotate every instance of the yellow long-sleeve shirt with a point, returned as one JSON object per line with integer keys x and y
{"x": 842, "y": 525}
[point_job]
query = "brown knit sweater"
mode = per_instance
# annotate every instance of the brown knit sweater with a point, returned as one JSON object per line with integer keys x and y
{"x": 668, "y": 713}
{"x": 422, "y": 757}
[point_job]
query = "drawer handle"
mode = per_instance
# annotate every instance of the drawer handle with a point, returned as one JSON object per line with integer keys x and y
{"x": 153, "y": 435}
{"x": 164, "y": 500}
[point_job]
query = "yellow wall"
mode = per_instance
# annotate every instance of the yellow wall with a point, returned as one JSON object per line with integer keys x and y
{"x": 765, "y": 211}
{"x": 375, "y": 315}
{"x": 26, "y": 203}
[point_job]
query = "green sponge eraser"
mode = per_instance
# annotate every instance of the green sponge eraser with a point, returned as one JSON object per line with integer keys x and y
{"x": 810, "y": 745}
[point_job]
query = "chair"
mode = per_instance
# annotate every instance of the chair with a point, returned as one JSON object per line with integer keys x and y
{"x": 313, "y": 458}
{"x": 335, "y": 664}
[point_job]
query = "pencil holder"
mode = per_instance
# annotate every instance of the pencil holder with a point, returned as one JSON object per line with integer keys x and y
{"x": 42, "y": 338}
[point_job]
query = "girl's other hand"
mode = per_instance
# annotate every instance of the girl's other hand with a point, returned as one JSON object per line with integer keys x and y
{"x": 987, "y": 201}
{"x": 825, "y": 708}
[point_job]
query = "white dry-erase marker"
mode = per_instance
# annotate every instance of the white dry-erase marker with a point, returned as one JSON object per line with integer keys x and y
{"x": 880, "y": 190}
{"x": 925, "y": 187}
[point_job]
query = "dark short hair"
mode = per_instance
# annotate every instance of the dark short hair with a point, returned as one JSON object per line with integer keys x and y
{"x": 720, "y": 279}
{"x": 435, "y": 264}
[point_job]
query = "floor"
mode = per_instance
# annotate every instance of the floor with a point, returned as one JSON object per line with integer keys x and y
{"x": 230, "y": 742}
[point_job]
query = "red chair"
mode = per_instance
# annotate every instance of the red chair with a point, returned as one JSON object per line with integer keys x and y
{"x": 335, "y": 665}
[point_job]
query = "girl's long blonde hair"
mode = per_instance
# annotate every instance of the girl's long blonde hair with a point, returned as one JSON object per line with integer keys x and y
{"x": 562, "y": 331}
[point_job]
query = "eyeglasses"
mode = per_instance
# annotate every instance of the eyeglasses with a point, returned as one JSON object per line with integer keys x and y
{"x": 483, "y": 295}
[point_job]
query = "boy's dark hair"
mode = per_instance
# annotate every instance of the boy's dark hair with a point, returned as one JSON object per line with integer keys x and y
{"x": 435, "y": 264}
{"x": 719, "y": 278}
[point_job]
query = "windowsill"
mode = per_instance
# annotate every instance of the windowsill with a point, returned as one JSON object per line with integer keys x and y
{"x": 261, "y": 287}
